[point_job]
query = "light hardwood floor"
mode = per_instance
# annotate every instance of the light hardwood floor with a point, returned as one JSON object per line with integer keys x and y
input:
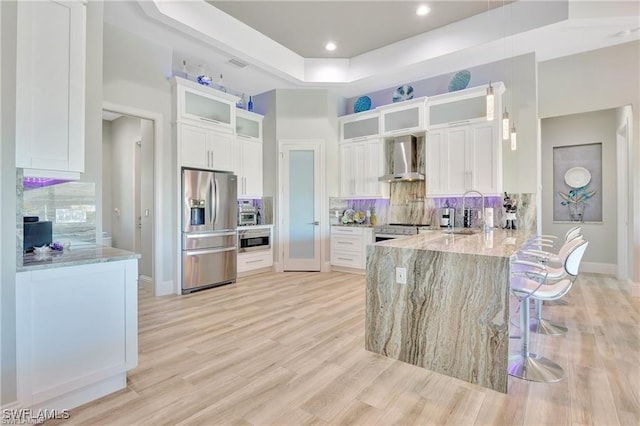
{"x": 288, "y": 349}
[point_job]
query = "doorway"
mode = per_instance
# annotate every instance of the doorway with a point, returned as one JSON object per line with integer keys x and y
{"x": 127, "y": 177}
{"x": 145, "y": 133}
{"x": 301, "y": 204}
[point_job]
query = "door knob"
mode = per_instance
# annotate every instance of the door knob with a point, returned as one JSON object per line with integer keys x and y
{"x": 314, "y": 223}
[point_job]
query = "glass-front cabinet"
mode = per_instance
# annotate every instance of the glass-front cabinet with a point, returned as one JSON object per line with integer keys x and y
{"x": 360, "y": 126}
{"x": 196, "y": 104}
{"x": 403, "y": 118}
{"x": 464, "y": 107}
{"x": 248, "y": 124}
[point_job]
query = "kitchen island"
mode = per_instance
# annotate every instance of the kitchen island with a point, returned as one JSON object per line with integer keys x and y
{"x": 452, "y": 315}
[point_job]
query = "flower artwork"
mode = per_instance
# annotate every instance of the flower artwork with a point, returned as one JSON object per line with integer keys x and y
{"x": 576, "y": 200}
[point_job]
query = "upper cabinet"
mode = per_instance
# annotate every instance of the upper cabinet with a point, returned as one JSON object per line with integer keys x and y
{"x": 50, "y": 88}
{"x": 202, "y": 105}
{"x": 403, "y": 118}
{"x": 359, "y": 126}
{"x": 462, "y": 107}
{"x": 249, "y": 154}
{"x": 248, "y": 125}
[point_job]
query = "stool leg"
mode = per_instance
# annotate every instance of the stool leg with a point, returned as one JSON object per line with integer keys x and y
{"x": 542, "y": 326}
{"x": 527, "y": 365}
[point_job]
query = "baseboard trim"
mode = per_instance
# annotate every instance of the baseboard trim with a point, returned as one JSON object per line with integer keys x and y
{"x": 349, "y": 270}
{"x": 15, "y": 405}
{"x": 599, "y": 268}
{"x": 326, "y": 267}
{"x": 143, "y": 279}
{"x": 164, "y": 288}
{"x": 277, "y": 267}
{"x": 635, "y": 288}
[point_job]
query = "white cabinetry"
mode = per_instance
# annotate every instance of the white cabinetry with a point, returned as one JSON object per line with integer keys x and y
{"x": 349, "y": 247}
{"x": 203, "y": 105}
{"x": 460, "y": 158}
{"x": 204, "y": 148}
{"x": 50, "y": 88}
{"x": 77, "y": 332}
{"x": 361, "y": 164}
{"x": 463, "y": 148}
{"x": 403, "y": 118}
{"x": 359, "y": 126}
{"x": 254, "y": 262}
{"x": 249, "y": 154}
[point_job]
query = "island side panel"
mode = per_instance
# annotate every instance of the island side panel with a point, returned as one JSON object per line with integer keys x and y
{"x": 451, "y": 317}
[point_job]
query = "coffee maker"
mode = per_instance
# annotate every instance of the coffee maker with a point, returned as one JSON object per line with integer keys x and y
{"x": 446, "y": 217}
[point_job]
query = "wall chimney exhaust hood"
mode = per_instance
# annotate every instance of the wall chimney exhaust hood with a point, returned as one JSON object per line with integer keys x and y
{"x": 404, "y": 155}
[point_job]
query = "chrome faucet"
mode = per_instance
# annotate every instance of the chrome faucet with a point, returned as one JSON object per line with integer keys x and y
{"x": 481, "y": 216}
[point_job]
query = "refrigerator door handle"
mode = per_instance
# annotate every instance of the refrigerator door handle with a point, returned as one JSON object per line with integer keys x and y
{"x": 211, "y": 214}
{"x": 216, "y": 234}
{"x": 217, "y": 195}
{"x": 208, "y": 251}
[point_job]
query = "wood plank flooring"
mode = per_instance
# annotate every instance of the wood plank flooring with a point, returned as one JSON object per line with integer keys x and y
{"x": 288, "y": 349}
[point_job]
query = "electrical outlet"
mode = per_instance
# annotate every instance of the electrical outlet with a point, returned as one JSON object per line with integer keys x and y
{"x": 401, "y": 275}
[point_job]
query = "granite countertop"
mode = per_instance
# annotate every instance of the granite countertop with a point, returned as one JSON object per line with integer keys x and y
{"x": 497, "y": 242}
{"x": 354, "y": 225}
{"x": 73, "y": 256}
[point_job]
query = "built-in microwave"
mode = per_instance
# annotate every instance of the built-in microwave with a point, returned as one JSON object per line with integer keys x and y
{"x": 254, "y": 240}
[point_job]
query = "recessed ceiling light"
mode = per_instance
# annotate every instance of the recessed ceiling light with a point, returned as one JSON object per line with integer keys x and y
{"x": 422, "y": 10}
{"x": 330, "y": 46}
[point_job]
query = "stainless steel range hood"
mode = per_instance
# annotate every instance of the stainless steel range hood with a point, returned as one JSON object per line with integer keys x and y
{"x": 404, "y": 154}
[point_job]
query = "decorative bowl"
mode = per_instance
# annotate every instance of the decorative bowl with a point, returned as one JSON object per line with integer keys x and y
{"x": 205, "y": 80}
{"x": 459, "y": 81}
{"x": 363, "y": 103}
{"x": 41, "y": 250}
{"x": 403, "y": 93}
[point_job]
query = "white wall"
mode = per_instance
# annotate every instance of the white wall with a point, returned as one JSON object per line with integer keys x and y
{"x": 8, "y": 392}
{"x": 308, "y": 114}
{"x": 579, "y": 129}
{"x": 125, "y": 131}
{"x": 136, "y": 73}
{"x": 600, "y": 79}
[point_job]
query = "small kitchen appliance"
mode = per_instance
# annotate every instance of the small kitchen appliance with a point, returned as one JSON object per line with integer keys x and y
{"x": 446, "y": 217}
{"x": 247, "y": 213}
{"x": 36, "y": 233}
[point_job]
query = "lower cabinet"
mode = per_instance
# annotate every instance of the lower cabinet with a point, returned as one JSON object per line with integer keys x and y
{"x": 254, "y": 262}
{"x": 349, "y": 247}
{"x": 76, "y": 332}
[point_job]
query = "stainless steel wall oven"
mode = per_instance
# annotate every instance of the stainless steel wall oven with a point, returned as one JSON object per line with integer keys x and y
{"x": 250, "y": 240}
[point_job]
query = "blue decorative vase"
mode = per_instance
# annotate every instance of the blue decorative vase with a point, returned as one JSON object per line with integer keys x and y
{"x": 459, "y": 81}
{"x": 403, "y": 93}
{"x": 363, "y": 103}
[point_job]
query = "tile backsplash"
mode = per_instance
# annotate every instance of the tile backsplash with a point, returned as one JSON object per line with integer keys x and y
{"x": 70, "y": 206}
{"x": 408, "y": 205}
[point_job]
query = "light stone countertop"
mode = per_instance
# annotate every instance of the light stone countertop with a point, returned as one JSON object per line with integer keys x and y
{"x": 80, "y": 255}
{"x": 247, "y": 227}
{"x": 497, "y": 242}
{"x": 353, "y": 225}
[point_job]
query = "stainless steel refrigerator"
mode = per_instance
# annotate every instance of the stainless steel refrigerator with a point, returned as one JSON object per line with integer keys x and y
{"x": 209, "y": 237}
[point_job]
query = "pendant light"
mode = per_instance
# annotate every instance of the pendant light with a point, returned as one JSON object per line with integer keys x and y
{"x": 505, "y": 125}
{"x": 513, "y": 138}
{"x": 490, "y": 103}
